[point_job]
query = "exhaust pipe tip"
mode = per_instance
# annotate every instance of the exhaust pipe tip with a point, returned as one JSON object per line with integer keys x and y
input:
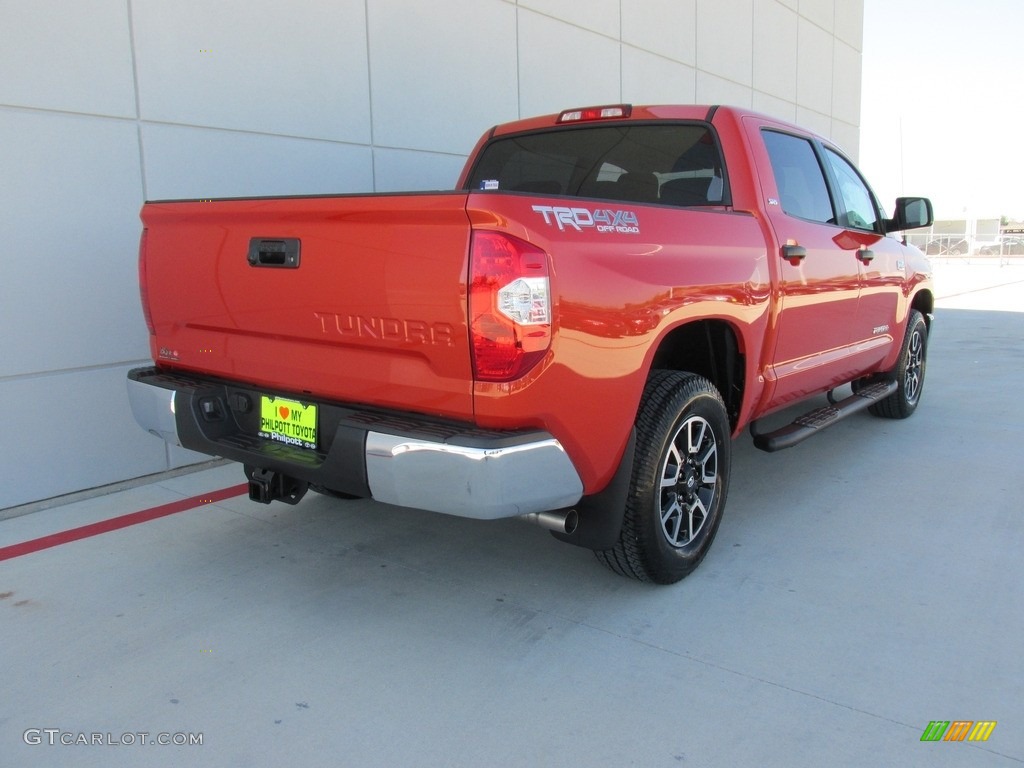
{"x": 572, "y": 520}
{"x": 560, "y": 521}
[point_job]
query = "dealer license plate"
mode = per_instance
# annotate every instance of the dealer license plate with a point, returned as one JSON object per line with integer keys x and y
{"x": 288, "y": 421}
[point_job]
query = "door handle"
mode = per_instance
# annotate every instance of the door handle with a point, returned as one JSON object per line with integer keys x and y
{"x": 794, "y": 253}
{"x": 865, "y": 255}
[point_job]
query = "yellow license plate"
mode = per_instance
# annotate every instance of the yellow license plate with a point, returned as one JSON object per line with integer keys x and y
{"x": 288, "y": 421}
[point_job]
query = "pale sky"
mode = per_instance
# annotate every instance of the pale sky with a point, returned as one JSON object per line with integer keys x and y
{"x": 942, "y": 104}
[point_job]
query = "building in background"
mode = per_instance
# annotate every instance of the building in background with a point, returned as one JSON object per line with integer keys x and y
{"x": 112, "y": 102}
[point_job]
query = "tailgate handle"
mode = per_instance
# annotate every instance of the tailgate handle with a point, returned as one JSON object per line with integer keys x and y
{"x": 282, "y": 252}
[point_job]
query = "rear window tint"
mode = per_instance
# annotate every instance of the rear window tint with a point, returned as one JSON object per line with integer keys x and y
{"x": 675, "y": 164}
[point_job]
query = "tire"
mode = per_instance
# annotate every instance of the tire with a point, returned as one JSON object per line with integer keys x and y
{"x": 908, "y": 373}
{"x": 679, "y": 481}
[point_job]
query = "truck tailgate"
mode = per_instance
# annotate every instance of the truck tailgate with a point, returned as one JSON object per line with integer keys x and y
{"x": 361, "y": 298}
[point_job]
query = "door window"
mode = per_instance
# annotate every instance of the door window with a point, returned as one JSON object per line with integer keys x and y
{"x": 860, "y": 209}
{"x": 798, "y": 175}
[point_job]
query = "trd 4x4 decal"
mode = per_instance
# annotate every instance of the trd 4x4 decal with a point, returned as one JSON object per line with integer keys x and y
{"x": 603, "y": 219}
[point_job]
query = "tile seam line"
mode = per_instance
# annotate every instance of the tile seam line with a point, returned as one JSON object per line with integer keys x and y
{"x": 118, "y": 486}
{"x": 369, "y": 92}
{"x": 620, "y": 40}
{"x": 221, "y": 129}
{"x": 78, "y": 369}
{"x": 136, "y": 91}
{"x": 591, "y": 30}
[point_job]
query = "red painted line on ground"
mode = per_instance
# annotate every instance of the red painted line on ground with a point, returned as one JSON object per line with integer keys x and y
{"x": 116, "y": 523}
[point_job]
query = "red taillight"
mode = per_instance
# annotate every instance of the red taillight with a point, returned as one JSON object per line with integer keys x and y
{"x": 595, "y": 113}
{"x": 509, "y": 306}
{"x": 143, "y": 284}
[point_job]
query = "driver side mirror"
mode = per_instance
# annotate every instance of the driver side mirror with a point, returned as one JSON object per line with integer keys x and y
{"x": 911, "y": 213}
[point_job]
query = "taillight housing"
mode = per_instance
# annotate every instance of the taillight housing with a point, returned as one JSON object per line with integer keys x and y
{"x": 509, "y": 306}
{"x": 143, "y": 283}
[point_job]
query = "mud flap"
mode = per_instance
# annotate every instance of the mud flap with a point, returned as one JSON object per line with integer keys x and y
{"x": 600, "y": 515}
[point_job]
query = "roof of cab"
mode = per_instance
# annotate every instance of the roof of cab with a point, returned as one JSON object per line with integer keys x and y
{"x": 611, "y": 113}
{"x": 662, "y": 112}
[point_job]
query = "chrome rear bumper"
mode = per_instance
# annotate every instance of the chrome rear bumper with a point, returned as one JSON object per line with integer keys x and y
{"x": 441, "y": 467}
{"x": 481, "y": 482}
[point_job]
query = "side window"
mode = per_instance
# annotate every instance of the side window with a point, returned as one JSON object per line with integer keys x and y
{"x": 799, "y": 177}
{"x": 860, "y": 210}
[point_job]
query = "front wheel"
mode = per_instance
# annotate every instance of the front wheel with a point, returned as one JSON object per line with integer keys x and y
{"x": 679, "y": 481}
{"x": 908, "y": 373}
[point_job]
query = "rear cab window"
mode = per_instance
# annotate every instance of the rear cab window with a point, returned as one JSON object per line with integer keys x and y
{"x": 678, "y": 164}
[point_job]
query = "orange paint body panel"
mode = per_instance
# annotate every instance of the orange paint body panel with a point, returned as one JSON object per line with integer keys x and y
{"x": 616, "y": 296}
{"x": 375, "y": 313}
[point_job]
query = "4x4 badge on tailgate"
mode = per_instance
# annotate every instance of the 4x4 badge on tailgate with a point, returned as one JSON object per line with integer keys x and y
{"x": 603, "y": 219}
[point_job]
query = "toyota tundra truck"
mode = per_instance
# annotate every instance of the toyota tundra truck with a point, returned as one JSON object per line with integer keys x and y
{"x": 575, "y": 335}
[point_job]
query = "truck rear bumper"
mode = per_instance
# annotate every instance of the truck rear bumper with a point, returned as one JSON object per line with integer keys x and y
{"x": 400, "y": 459}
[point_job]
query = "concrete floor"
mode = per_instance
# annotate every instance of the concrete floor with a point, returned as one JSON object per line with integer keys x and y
{"x": 862, "y": 585}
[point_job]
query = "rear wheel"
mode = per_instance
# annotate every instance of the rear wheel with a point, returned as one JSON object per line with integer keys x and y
{"x": 679, "y": 482}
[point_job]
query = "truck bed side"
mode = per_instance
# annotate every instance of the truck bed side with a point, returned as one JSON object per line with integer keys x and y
{"x": 619, "y": 298}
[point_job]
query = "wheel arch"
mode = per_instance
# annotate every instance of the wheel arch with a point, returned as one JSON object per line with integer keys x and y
{"x": 710, "y": 348}
{"x": 924, "y": 302}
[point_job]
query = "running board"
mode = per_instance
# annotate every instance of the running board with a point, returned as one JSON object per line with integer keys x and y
{"x": 813, "y": 422}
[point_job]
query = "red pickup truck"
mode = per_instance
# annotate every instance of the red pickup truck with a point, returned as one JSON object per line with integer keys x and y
{"x": 575, "y": 335}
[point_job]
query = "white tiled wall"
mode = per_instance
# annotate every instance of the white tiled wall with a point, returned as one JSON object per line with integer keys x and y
{"x": 725, "y": 36}
{"x": 107, "y": 103}
{"x": 292, "y": 69}
{"x": 849, "y": 22}
{"x": 562, "y": 66}
{"x": 664, "y": 27}
{"x": 652, "y": 79}
{"x": 814, "y": 68}
{"x": 75, "y": 57}
{"x": 601, "y": 16}
{"x": 845, "y": 89}
{"x": 775, "y": 52}
{"x": 435, "y": 89}
{"x": 820, "y": 12}
{"x": 69, "y": 198}
{"x": 189, "y": 161}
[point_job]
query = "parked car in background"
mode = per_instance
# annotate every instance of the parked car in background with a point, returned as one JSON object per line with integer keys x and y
{"x": 1008, "y": 246}
{"x": 947, "y": 246}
